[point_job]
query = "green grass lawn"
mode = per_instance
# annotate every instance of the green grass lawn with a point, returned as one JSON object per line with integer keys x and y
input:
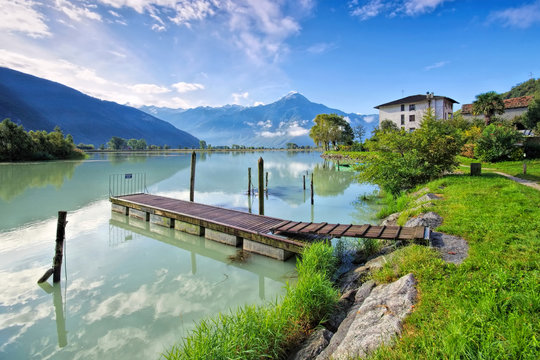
{"x": 514, "y": 168}
{"x": 489, "y": 306}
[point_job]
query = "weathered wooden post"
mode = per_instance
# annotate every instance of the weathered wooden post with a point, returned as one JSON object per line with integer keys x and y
{"x": 304, "y": 179}
{"x": 261, "y": 186}
{"x": 338, "y": 165}
{"x": 59, "y": 252}
{"x": 476, "y": 169}
{"x": 312, "y": 188}
{"x": 192, "y": 178}
{"x": 249, "y": 182}
{"x": 267, "y": 182}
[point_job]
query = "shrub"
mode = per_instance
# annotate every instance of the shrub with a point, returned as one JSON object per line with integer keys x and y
{"x": 401, "y": 160}
{"x": 498, "y": 143}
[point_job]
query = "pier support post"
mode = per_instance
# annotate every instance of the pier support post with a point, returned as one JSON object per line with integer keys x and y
{"x": 267, "y": 183}
{"x": 59, "y": 253}
{"x": 261, "y": 186}
{"x": 304, "y": 180}
{"x": 311, "y": 188}
{"x": 192, "y": 179}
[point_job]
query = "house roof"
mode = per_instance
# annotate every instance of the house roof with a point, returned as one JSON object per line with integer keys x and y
{"x": 513, "y": 103}
{"x": 414, "y": 99}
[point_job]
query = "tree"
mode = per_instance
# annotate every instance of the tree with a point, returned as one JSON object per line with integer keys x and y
{"x": 141, "y": 144}
{"x": 331, "y": 129}
{"x": 531, "y": 119}
{"x": 291, "y": 146}
{"x": 202, "y": 144}
{"x": 117, "y": 143}
{"x": 359, "y": 132}
{"x": 488, "y": 104}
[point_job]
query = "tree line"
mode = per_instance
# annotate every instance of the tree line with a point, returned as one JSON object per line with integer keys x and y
{"x": 16, "y": 144}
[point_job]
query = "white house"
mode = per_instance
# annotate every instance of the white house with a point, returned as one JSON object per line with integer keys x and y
{"x": 407, "y": 112}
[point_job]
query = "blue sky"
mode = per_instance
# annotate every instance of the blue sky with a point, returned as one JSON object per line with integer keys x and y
{"x": 350, "y": 55}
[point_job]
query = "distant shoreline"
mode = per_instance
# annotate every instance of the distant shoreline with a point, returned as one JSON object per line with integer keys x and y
{"x": 97, "y": 151}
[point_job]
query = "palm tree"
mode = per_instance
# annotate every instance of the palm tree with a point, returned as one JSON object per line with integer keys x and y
{"x": 488, "y": 104}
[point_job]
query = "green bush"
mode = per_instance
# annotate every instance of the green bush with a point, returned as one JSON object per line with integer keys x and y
{"x": 498, "y": 143}
{"x": 399, "y": 160}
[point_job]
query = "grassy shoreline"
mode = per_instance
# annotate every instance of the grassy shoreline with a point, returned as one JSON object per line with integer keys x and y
{"x": 268, "y": 331}
{"x": 489, "y": 306}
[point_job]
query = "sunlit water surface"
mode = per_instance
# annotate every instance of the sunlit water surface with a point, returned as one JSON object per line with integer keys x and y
{"x": 129, "y": 289}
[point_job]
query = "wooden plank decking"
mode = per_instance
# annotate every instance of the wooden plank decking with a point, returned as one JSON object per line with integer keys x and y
{"x": 267, "y": 230}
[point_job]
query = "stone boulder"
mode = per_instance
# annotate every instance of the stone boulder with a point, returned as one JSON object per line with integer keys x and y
{"x": 313, "y": 346}
{"x": 427, "y": 198}
{"x": 375, "y": 319}
{"x": 431, "y": 219}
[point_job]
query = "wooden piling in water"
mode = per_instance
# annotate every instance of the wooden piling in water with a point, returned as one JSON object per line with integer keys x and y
{"x": 192, "y": 178}
{"x": 312, "y": 188}
{"x": 261, "y": 186}
{"x": 304, "y": 179}
{"x": 267, "y": 182}
{"x": 249, "y": 182}
{"x": 59, "y": 253}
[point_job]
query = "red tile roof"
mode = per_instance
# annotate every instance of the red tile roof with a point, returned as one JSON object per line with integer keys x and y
{"x": 513, "y": 103}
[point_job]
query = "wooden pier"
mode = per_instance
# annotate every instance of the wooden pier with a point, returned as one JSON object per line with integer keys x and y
{"x": 265, "y": 235}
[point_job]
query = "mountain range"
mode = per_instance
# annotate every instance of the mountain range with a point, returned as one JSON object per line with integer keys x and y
{"x": 273, "y": 125}
{"x": 40, "y": 104}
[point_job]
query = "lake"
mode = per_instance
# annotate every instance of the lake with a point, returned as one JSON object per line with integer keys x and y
{"x": 129, "y": 289}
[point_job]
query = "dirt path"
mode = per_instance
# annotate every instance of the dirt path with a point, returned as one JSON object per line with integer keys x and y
{"x": 525, "y": 182}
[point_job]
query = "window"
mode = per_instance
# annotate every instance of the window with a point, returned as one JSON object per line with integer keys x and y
{"x": 402, "y": 119}
{"x": 450, "y": 115}
{"x": 412, "y": 107}
{"x": 411, "y": 129}
{"x": 402, "y": 107}
{"x": 411, "y": 118}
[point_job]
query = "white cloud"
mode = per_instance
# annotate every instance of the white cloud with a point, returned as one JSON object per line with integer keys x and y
{"x": 375, "y": 8}
{"x": 369, "y": 10}
{"x": 149, "y": 89}
{"x": 158, "y": 28}
{"x": 417, "y": 7}
{"x": 369, "y": 119}
{"x": 436, "y": 65}
{"x": 76, "y": 13}
{"x": 20, "y": 16}
{"x": 521, "y": 17}
{"x": 258, "y": 103}
{"x": 292, "y": 129}
{"x": 114, "y": 13}
{"x": 265, "y": 124}
{"x": 296, "y": 130}
{"x": 239, "y": 96}
{"x": 183, "y": 87}
{"x": 320, "y": 48}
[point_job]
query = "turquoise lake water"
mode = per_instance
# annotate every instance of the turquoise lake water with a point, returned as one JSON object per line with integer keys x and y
{"x": 129, "y": 289}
